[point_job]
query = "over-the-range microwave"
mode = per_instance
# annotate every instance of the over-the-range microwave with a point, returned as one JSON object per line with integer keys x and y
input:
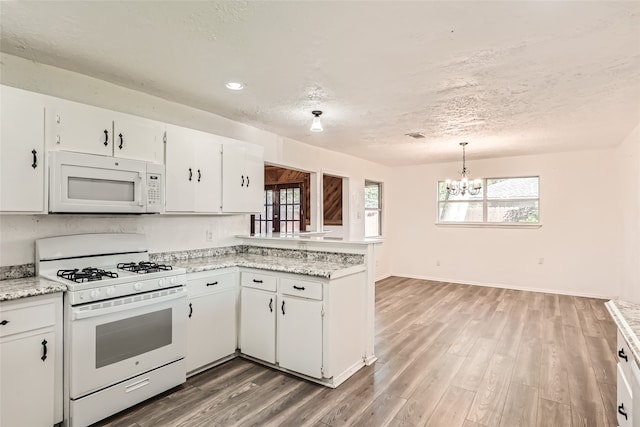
{"x": 88, "y": 183}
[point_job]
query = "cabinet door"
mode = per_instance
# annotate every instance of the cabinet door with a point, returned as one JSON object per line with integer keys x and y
{"x": 207, "y": 174}
{"x": 233, "y": 177}
{"x": 27, "y": 386}
{"x": 300, "y": 335}
{"x": 77, "y": 127}
{"x": 211, "y": 329}
{"x": 138, "y": 138}
{"x": 22, "y": 153}
{"x": 180, "y": 186}
{"x": 258, "y": 324}
{"x": 254, "y": 171}
{"x": 242, "y": 177}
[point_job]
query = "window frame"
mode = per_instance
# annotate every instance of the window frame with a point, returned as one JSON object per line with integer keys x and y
{"x": 485, "y": 206}
{"x": 275, "y": 205}
{"x": 380, "y": 185}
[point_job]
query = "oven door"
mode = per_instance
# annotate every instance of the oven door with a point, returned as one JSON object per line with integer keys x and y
{"x": 96, "y": 184}
{"x": 113, "y": 340}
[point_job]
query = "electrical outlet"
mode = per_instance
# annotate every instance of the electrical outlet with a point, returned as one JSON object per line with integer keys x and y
{"x": 540, "y": 261}
{"x": 437, "y": 263}
{"x": 209, "y": 235}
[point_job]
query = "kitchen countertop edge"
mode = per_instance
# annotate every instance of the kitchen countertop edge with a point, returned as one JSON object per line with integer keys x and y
{"x": 626, "y": 316}
{"x": 304, "y": 268}
{"x": 12, "y": 289}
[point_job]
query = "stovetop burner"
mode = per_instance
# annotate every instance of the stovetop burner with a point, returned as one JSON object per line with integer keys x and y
{"x": 144, "y": 267}
{"x": 88, "y": 274}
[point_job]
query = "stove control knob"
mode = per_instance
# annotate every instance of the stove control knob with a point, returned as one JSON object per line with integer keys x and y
{"x": 160, "y": 283}
{"x": 137, "y": 286}
{"x": 95, "y": 294}
{"x": 172, "y": 280}
{"x": 110, "y": 291}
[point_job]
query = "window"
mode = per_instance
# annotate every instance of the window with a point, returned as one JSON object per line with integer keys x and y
{"x": 372, "y": 209}
{"x": 501, "y": 201}
{"x": 282, "y": 210}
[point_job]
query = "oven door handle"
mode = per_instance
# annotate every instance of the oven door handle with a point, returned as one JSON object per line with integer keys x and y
{"x": 136, "y": 301}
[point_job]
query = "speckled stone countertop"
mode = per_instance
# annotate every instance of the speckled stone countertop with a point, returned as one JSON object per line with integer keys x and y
{"x": 28, "y": 287}
{"x": 309, "y": 267}
{"x": 626, "y": 315}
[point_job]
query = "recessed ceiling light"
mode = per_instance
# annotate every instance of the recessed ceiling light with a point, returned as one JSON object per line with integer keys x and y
{"x": 234, "y": 85}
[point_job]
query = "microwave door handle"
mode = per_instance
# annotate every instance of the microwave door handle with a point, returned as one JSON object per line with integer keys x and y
{"x": 143, "y": 193}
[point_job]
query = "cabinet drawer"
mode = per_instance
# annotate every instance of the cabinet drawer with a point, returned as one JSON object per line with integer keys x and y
{"x": 301, "y": 288}
{"x": 206, "y": 282}
{"x": 624, "y": 402}
{"x": 625, "y": 358}
{"x": 265, "y": 282}
{"x": 24, "y": 318}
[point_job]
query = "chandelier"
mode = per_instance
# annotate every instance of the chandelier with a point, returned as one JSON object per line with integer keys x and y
{"x": 455, "y": 187}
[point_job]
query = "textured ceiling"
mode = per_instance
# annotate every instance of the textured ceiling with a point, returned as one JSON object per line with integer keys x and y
{"x": 517, "y": 77}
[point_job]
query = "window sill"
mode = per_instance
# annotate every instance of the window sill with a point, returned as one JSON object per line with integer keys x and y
{"x": 486, "y": 225}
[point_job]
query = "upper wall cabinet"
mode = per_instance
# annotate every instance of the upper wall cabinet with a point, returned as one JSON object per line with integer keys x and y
{"x": 192, "y": 171}
{"x": 72, "y": 126}
{"x": 21, "y": 151}
{"x": 138, "y": 138}
{"x": 242, "y": 177}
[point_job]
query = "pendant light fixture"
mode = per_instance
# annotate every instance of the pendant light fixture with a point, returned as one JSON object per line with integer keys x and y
{"x": 316, "y": 125}
{"x": 464, "y": 186}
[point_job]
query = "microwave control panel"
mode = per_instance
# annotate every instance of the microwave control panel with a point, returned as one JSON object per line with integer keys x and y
{"x": 155, "y": 189}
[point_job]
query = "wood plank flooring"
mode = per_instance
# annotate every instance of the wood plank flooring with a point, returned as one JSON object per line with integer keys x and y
{"x": 448, "y": 355}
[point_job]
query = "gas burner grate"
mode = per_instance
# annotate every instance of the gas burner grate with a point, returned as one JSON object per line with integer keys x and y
{"x": 143, "y": 267}
{"x": 89, "y": 274}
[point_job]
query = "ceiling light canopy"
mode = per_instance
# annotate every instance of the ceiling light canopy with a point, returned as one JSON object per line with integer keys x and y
{"x": 316, "y": 125}
{"x": 234, "y": 85}
{"x": 464, "y": 186}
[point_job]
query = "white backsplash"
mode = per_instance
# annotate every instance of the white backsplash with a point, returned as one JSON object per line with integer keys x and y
{"x": 164, "y": 232}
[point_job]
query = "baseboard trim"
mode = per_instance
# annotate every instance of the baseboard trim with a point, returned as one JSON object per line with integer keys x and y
{"x": 384, "y": 276}
{"x": 502, "y": 286}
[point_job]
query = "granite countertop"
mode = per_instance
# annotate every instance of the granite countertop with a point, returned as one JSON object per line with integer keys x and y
{"x": 626, "y": 315}
{"x": 27, "y": 287}
{"x": 317, "y": 268}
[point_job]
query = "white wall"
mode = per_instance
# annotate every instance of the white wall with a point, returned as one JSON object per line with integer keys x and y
{"x": 18, "y": 232}
{"x": 629, "y": 161}
{"x": 580, "y": 237}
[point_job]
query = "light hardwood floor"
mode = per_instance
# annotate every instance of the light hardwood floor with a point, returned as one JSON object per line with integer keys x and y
{"x": 448, "y": 355}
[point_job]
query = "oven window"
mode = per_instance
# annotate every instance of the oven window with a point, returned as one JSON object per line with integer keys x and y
{"x": 133, "y": 336}
{"x": 101, "y": 189}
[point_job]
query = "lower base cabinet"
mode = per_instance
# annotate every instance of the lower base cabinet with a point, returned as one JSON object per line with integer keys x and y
{"x": 211, "y": 327}
{"x": 29, "y": 361}
{"x": 258, "y": 324}
{"x": 307, "y": 325}
{"x": 300, "y": 336}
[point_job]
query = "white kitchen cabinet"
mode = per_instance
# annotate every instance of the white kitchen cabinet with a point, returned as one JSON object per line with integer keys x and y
{"x": 138, "y": 138}
{"x": 192, "y": 171}
{"x": 628, "y": 385}
{"x": 211, "y": 328}
{"x": 258, "y": 324}
{"x": 71, "y": 126}
{"x": 242, "y": 177}
{"x": 30, "y": 361}
{"x": 22, "y": 156}
{"x": 317, "y": 325}
{"x": 300, "y": 335}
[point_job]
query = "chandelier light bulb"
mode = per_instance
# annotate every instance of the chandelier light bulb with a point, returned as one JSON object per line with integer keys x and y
{"x": 464, "y": 186}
